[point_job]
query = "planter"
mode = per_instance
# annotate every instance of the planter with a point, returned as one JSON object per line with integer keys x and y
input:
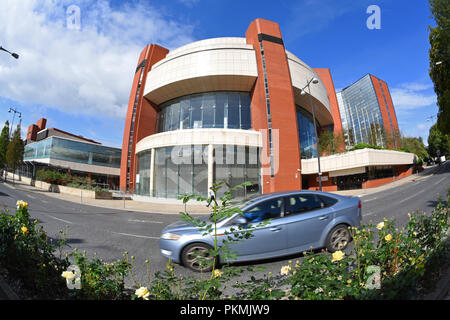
{"x": 105, "y": 195}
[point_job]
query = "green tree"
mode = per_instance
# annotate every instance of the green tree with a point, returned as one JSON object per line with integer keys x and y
{"x": 438, "y": 141}
{"x": 331, "y": 143}
{"x": 439, "y": 54}
{"x": 4, "y": 141}
{"x": 416, "y": 146}
{"x": 14, "y": 152}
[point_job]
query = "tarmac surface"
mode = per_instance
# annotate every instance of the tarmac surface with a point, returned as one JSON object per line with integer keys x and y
{"x": 169, "y": 208}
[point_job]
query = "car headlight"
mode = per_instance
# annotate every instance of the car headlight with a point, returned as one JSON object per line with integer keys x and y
{"x": 170, "y": 236}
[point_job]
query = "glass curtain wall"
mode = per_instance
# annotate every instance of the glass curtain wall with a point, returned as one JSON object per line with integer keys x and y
{"x": 184, "y": 170}
{"x": 235, "y": 165}
{"x": 364, "y": 121}
{"x": 307, "y": 138}
{"x": 206, "y": 110}
{"x": 143, "y": 184}
{"x": 181, "y": 170}
{"x": 74, "y": 151}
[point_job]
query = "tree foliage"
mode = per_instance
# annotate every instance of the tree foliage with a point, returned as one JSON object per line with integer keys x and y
{"x": 331, "y": 143}
{"x": 416, "y": 146}
{"x": 4, "y": 141}
{"x": 439, "y": 54}
{"x": 438, "y": 141}
{"x": 14, "y": 152}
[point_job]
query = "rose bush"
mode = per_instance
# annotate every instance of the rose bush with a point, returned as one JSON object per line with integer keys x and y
{"x": 382, "y": 263}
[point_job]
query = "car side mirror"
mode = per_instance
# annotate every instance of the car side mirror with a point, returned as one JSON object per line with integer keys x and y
{"x": 241, "y": 220}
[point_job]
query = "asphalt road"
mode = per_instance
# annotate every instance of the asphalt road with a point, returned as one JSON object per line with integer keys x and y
{"x": 109, "y": 233}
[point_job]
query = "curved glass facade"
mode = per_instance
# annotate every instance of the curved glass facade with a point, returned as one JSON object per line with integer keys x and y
{"x": 74, "y": 151}
{"x": 206, "y": 110}
{"x": 184, "y": 170}
{"x": 306, "y": 136}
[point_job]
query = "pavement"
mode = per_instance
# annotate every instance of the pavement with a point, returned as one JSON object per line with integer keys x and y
{"x": 172, "y": 206}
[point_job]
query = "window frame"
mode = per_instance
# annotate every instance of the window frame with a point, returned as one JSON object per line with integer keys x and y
{"x": 287, "y": 204}
{"x": 263, "y": 201}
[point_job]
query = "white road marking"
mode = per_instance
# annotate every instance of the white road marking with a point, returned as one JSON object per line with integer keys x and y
{"x": 30, "y": 196}
{"x": 370, "y": 199}
{"x": 406, "y": 199}
{"x": 145, "y": 221}
{"x": 440, "y": 180}
{"x": 135, "y": 235}
{"x": 62, "y": 220}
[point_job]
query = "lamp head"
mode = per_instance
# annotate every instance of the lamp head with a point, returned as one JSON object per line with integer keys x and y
{"x": 302, "y": 92}
{"x": 15, "y": 55}
{"x": 315, "y": 81}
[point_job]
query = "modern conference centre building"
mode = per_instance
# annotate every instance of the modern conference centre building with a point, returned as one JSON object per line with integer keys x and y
{"x": 242, "y": 109}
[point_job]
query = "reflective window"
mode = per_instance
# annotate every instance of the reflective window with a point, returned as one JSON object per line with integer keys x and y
{"x": 184, "y": 170}
{"x": 306, "y": 136}
{"x": 206, "y": 110}
{"x": 75, "y": 151}
{"x": 361, "y": 115}
{"x": 270, "y": 209}
{"x": 235, "y": 165}
{"x": 143, "y": 183}
{"x": 302, "y": 203}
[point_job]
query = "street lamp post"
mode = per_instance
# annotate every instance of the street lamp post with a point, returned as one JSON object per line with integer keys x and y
{"x": 15, "y": 55}
{"x": 12, "y": 123}
{"x": 302, "y": 92}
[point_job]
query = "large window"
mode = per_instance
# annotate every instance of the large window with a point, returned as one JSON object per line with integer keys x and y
{"x": 235, "y": 165}
{"x": 206, "y": 110}
{"x": 181, "y": 170}
{"x": 74, "y": 151}
{"x": 143, "y": 183}
{"x": 184, "y": 170}
{"x": 306, "y": 136}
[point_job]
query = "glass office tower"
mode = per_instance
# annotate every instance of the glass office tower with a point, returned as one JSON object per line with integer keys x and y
{"x": 365, "y": 114}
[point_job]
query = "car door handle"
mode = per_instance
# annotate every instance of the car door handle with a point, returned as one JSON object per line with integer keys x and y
{"x": 275, "y": 229}
{"x": 323, "y": 217}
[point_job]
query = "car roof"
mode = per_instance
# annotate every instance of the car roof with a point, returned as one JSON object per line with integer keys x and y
{"x": 290, "y": 192}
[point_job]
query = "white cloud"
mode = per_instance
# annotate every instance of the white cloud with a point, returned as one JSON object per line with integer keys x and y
{"x": 189, "y": 3}
{"x": 414, "y": 95}
{"x": 79, "y": 71}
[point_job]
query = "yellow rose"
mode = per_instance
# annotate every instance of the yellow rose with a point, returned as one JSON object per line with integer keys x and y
{"x": 143, "y": 293}
{"x": 338, "y": 255}
{"x": 285, "y": 270}
{"x": 24, "y": 229}
{"x": 68, "y": 275}
{"x": 217, "y": 273}
{"x": 21, "y": 204}
{"x": 388, "y": 237}
{"x": 380, "y": 225}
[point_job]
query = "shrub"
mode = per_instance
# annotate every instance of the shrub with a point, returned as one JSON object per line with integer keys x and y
{"x": 27, "y": 254}
{"x": 384, "y": 263}
{"x": 364, "y": 146}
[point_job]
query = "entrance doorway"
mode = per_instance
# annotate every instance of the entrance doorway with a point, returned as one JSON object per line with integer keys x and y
{"x": 350, "y": 182}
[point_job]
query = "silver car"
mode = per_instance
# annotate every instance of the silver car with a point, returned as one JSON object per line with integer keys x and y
{"x": 297, "y": 221}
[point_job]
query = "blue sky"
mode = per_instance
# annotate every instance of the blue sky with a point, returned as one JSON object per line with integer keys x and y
{"x": 79, "y": 79}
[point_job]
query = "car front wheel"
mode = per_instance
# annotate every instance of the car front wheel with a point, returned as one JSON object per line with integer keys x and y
{"x": 196, "y": 257}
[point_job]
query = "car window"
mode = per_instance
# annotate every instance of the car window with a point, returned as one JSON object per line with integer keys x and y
{"x": 269, "y": 209}
{"x": 302, "y": 202}
{"x": 328, "y": 201}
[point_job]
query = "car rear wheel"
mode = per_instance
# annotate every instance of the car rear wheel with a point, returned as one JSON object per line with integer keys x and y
{"x": 338, "y": 238}
{"x": 197, "y": 258}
